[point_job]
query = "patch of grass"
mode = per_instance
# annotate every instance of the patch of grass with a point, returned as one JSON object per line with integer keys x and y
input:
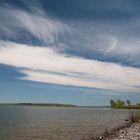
{"x": 135, "y": 117}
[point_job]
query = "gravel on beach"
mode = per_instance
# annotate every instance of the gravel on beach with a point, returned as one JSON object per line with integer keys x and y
{"x": 128, "y": 133}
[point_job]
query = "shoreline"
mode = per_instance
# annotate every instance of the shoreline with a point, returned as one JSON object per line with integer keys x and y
{"x": 131, "y": 133}
{"x": 128, "y": 131}
{"x": 39, "y": 104}
{"x": 111, "y": 134}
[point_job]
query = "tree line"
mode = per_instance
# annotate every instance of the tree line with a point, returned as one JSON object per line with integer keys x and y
{"x": 124, "y": 104}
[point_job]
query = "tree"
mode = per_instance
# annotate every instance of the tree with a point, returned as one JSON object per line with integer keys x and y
{"x": 113, "y": 103}
{"x": 120, "y": 103}
{"x": 128, "y": 102}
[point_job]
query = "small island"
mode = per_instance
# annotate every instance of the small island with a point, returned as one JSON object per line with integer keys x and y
{"x": 120, "y": 104}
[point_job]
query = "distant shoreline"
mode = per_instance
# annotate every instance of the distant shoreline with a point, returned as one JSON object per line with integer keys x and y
{"x": 53, "y": 105}
{"x": 41, "y": 104}
{"x": 64, "y": 105}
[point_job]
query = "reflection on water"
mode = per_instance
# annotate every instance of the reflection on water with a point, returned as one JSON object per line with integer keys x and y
{"x": 56, "y": 123}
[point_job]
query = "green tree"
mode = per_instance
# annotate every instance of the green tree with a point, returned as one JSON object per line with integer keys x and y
{"x": 120, "y": 103}
{"x": 113, "y": 103}
{"x": 129, "y": 103}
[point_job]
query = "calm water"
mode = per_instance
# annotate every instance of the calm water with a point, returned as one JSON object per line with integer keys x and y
{"x": 55, "y": 123}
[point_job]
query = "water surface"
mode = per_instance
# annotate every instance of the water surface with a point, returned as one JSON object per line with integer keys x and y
{"x": 56, "y": 123}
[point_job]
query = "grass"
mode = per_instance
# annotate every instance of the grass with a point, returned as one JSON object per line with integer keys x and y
{"x": 135, "y": 117}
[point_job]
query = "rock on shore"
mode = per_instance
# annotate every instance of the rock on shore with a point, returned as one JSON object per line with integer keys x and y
{"x": 131, "y": 133}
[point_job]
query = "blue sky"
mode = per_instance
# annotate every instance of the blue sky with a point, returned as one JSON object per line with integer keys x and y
{"x": 79, "y": 52}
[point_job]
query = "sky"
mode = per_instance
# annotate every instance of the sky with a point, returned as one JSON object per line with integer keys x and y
{"x": 81, "y": 52}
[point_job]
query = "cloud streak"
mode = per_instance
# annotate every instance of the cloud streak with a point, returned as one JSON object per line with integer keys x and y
{"x": 42, "y": 64}
{"x": 63, "y": 57}
{"x": 36, "y": 24}
{"x": 94, "y": 40}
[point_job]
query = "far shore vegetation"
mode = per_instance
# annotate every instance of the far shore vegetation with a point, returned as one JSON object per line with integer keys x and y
{"x": 48, "y": 104}
{"x": 120, "y": 104}
{"x": 42, "y": 104}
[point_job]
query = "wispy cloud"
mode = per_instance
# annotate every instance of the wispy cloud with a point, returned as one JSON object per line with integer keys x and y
{"x": 16, "y": 22}
{"x": 42, "y": 64}
{"x": 93, "y": 39}
{"x": 64, "y": 58}
{"x": 106, "y": 42}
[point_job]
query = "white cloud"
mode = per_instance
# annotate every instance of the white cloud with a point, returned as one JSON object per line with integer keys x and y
{"x": 75, "y": 36}
{"x": 43, "y": 64}
{"x": 37, "y": 23}
{"x": 106, "y": 40}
